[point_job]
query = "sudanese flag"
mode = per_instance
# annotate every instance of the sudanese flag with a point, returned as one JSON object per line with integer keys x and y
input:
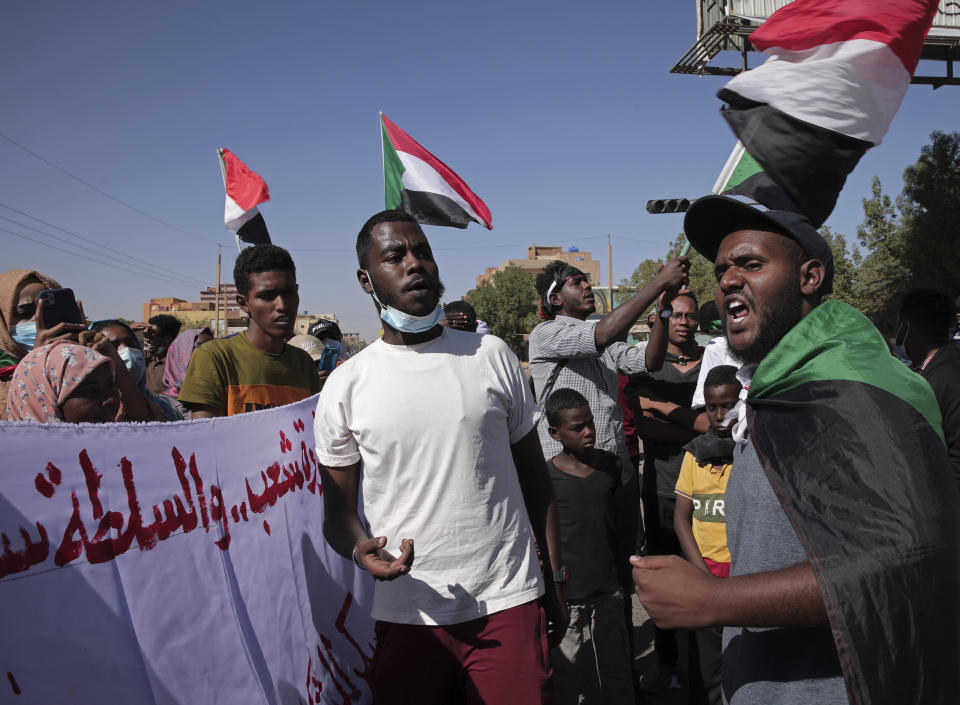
{"x": 245, "y": 190}
{"x": 850, "y": 441}
{"x": 418, "y": 183}
{"x": 837, "y": 73}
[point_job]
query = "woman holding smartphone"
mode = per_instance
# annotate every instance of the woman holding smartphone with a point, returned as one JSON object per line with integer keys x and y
{"x": 21, "y": 329}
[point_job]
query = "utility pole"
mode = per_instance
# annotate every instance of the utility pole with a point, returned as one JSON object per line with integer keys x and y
{"x": 216, "y": 333}
{"x": 610, "y": 271}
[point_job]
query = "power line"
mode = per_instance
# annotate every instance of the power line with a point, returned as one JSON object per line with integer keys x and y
{"x": 469, "y": 247}
{"x": 91, "y": 259}
{"x": 186, "y": 279}
{"x": 176, "y": 277}
{"x": 104, "y": 193}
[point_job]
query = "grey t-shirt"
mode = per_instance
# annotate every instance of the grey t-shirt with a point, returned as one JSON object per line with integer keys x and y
{"x": 771, "y": 665}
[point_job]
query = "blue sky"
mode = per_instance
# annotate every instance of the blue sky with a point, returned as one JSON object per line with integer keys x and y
{"x": 561, "y": 116}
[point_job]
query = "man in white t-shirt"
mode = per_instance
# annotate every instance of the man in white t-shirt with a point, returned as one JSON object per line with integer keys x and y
{"x": 440, "y": 426}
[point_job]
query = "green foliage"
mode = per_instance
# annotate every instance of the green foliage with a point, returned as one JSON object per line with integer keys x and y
{"x": 701, "y": 280}
{"x": 508, "y": 304}
{"x": 882, "y": 279}
{"x": 930, "y": 206}
{"x": 845, "y": 266}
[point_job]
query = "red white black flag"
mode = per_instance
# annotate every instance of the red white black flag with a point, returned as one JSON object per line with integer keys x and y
{"x": 245, "y": 191}
{"x": 837, "y": 73}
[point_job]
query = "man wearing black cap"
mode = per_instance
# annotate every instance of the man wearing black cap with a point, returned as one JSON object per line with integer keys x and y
{"x": 841, "y": 512}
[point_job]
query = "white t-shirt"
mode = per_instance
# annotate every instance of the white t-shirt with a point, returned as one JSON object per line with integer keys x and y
{"x": 433, "y": 424}
{"x": 715, "y": 352}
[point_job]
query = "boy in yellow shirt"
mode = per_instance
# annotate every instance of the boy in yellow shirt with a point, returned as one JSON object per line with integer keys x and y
{"x": 700, "y": 517}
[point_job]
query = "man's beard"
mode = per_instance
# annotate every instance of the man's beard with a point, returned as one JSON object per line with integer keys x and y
{"x": 781, "y": 314}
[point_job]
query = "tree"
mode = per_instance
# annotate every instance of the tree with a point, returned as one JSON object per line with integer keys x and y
{"x": 882, "y": 278}
{"x": 845, "y": 268}
{"x": 930, "y": 205}
{"x": 508, "y": 303}
{"x": 701, "y": 280}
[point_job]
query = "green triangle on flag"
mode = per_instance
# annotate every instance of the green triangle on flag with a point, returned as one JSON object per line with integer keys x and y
{"x": 392, "y": 170}
{"x": 740, "y": 166}
{"x": 742, "y": 175}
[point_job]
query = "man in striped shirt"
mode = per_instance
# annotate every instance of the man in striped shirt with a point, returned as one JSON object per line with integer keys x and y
{"x": 567, "y": 350}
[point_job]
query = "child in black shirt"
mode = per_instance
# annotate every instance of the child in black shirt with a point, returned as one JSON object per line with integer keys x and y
{"x": 592, "y": 663}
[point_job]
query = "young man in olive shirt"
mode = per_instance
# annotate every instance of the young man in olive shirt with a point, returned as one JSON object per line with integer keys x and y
{"x": 255, "y": 369}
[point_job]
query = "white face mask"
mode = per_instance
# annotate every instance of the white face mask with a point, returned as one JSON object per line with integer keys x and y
{"x": 405, "y": 322}
{"x": 134, "y": 361}
{"x": 25, "y": 334}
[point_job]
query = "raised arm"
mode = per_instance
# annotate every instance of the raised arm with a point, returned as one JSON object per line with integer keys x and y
{"x": 612, "y": 326}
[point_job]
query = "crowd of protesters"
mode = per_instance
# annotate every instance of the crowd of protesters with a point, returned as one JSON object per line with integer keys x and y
{"x": 509, "y": 515}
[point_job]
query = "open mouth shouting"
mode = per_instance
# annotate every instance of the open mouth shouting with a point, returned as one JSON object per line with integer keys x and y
{"x": 737, "y": 309}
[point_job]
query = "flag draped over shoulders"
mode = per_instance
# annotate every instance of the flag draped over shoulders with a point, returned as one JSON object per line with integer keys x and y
{"x": 837, "y": 73}
{"x": 850, "y": 441}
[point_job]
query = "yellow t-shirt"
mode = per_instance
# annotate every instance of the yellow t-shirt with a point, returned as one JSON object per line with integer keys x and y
{"x": 235, "y": 375}
{"x": 705, "y": 486}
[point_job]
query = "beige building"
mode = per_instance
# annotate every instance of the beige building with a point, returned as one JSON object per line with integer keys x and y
{"x": 228, "y": 297}
{"x": 353, "y": 343}
{"x": 305, "y": 320}
{"x": 202, "y": 314}
{"x": 539, "y": 257}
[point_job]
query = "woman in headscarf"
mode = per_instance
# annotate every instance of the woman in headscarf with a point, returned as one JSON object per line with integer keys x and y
{"x": 63, "y": 382}
{"x": 20, "y": 331}
{"x": 130, "y": 351}
{"x": 178, "y": 359}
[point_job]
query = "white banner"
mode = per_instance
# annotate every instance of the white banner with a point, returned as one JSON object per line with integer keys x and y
{"x": 175, "y": 563}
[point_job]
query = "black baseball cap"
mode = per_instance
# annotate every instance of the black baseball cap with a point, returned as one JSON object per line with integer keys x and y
{"x": 325, "y": 328}
{"x": 712, "y": 218}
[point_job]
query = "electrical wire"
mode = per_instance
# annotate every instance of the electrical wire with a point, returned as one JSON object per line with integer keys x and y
{"x": 469, "y": 247}
{"x": 91, "y": 259}
{"x": 176, "y": 275}
{"x": 104, "y": 193}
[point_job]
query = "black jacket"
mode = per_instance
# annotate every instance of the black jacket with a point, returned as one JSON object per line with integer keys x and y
{"x": 943, "y": 374}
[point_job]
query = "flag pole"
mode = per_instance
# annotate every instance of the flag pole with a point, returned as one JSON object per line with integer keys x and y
{"x": 610, "y": 270}
{"x": 217, "y": 307}
{"x": 223, "y": 175}
{"x": 383, "y": 165}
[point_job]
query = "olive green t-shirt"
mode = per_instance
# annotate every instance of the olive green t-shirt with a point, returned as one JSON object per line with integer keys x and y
{"x": 235, "y": 375}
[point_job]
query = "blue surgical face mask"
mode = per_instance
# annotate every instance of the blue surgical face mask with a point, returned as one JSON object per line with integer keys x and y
{"x": 135, "y": 362}
{"x": 405, "y": 322}
{"x": 25, "y": 334}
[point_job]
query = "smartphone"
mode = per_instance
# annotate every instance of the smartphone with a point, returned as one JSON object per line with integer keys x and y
{"x": 59, "y": 306}
{"x": 328, "y": 359}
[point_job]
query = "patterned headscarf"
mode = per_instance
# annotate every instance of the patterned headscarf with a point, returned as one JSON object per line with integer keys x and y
{"x": 46, "y": 377}
{"x": 11, "y": 282}
{"x": 178, "y": 357}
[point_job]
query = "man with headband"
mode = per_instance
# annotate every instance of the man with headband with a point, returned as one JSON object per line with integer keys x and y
{"x": 567, "y": 350}
{"x": 442, "y": 421}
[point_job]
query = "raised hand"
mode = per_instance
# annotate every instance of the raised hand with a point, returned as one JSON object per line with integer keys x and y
{"x": 673, "y": 275}
{"x": 60, "y": 331}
